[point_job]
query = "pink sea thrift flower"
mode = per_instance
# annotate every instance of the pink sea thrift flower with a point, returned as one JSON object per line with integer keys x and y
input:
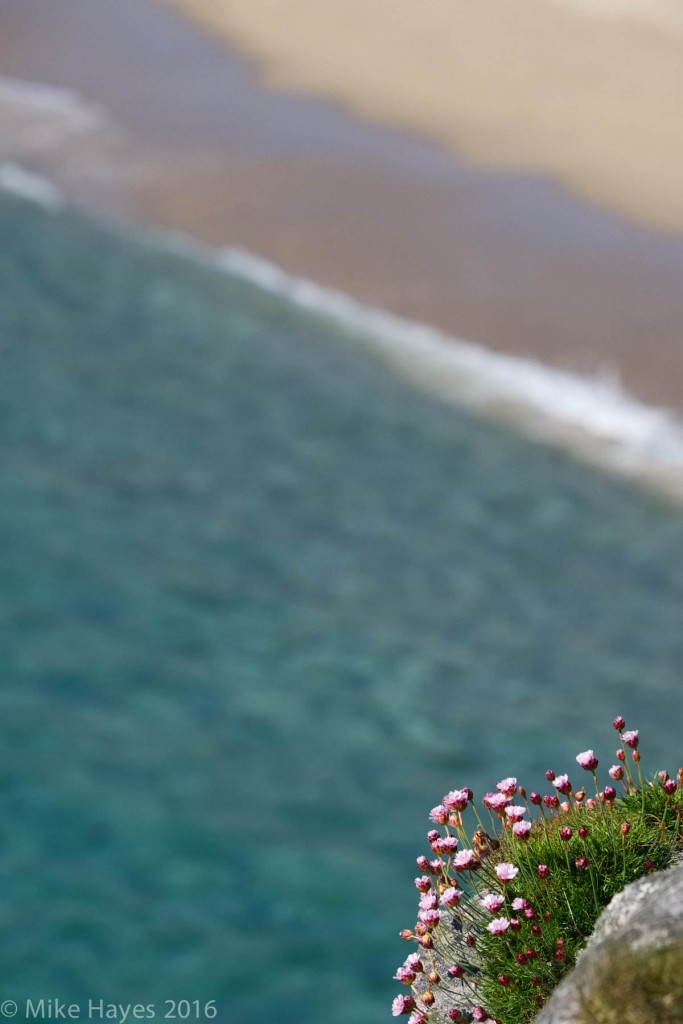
{"x": 522, "y": 829}
{"x": 609, "y": 793}
{"x": 428, "y": 901}
{"x": 456, "y": 800}
{"x": 542, "y": 870}
{"x": 498, "y": 926}
{"x": 430, "y": 917}
{"x": 616, "y": 772}
{"x": 506, "y": 872}
{"x": 493, "y": 902}
{"x": 402, "y": 1004}
{"x": 619, "y": 723}
{"x": 447, "y": 845}
{"x": 439, "y": 815}
{"x": 495, "y": 801}
{"x": 455, "y": 971}
{"x": 670, "y": 786}
{"x": 566, "y": 834}
{"x": 551, "y": 801}
{"x": 519, "y": 903}
{"x": 451, "y": 896}
{"x": 562, "y": 784}
{"x": 405, "y": 976}
{"x": 422, "y": 884}
{"x": 587, "y": 760}
{"x": 535, "y": 798}
{"x": 417, "y": 1018}
{"x": 507, "y": 786}
{"x": 413, "y": 962}
{"x": 515, "y": 812}
{"x": 466, "y": 860}
{"x": 630, "y": 738}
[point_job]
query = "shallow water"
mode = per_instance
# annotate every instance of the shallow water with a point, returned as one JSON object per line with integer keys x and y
{"x": 262, "y": 603}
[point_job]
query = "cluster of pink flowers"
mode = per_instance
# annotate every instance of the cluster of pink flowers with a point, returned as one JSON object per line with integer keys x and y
{"x": 467, "y": 890}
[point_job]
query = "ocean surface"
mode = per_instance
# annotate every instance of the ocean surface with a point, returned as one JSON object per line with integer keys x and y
{"x": 262, "y": 602}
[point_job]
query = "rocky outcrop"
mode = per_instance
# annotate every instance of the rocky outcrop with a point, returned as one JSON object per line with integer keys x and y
{"x": 631, "y": 971}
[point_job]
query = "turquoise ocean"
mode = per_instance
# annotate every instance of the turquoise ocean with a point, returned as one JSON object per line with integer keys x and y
{"x": 262, "y": 602}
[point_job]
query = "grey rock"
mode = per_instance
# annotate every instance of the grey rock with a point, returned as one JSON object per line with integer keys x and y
{"x": 645, "y": 917}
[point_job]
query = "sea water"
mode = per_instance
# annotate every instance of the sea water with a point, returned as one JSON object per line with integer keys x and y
{"x": 262, "y": 602}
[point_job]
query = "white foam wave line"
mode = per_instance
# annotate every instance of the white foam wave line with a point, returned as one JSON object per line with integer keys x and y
{"x": 74, "y": 113}
{"x": 591, "y": 416}
{"x": 32, "y": 187}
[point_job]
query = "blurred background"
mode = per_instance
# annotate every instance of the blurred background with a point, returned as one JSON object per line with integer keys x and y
{"x": 271, "y": 581}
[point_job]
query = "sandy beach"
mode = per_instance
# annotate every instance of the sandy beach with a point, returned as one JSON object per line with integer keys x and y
{"x": 590, "y": 93}
{"x": 193, "y": 140}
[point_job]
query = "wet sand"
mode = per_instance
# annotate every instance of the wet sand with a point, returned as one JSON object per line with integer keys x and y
{"x": 508, "y": 260}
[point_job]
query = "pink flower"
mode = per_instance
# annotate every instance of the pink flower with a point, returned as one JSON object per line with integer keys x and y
{"x": 456, "y": 800}
{"x": 428, "y": 901}
{"x": 423, "y": 863}
{"x": 507, "y": 786}
{"x": 417, "y": 1018}
{"x": 451, "y": 896}
{"x": 551, "y": 801}
{"x": 616, "y": 772}
{"x": 402, "y": 1004}
{"x": 609, "y": 793}
{"x": 515, "y": 812}
{"x": 619, "y": 723}
{"x": 669, "y": 786}
{"x": 466, "y": 860}
{"x": 630, "y": 738}
{"x": 405, "y": 976}
{"x": 522, "y": 829}
{"x": 566, "y": 834}
{"x": 495, "y": 801}
{"x": 422, "y": 884}
{"x": 413, "y": 962}
{"x": 587, "y": 760}
{"x": 562, "y": 784}
{"x": 519, "y": 903}
{"x": 429, "y": 917}
{"x": 447, "y": 845}
{"x": 506, "y": 872}
{"x": 542, "y": 870}
{"x": 581, "y": 863}
{"x": 498, "y": 926}
{"x": 439, "y": 815}
{"x": 455, "y": 971}
{"x": 535, "y": 798}
{"x": 493, "y": 902}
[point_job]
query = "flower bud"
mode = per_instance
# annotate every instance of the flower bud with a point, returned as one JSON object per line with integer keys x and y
{"x": 428, "y": 998}
{"x": 542, "y": 870}
{"x": 609, "y": 793}
{"x": 535, "y": 798}
{"x": 621, "y": 755}
{"x": 582, "y": 863}
{"x": 504, "y": 980}
{"x": 565, "y": 834}
{"x": 455, "y": 971}
{"x": 616, "y": 772}
{"x": 636, "y": 756}
{"x": 670, "y": 786}
{"x": 625, "y": 828}
{"x": 550, "y": 775}
{"x": 619, "y": 723}
{"x": 434, "y": 978}
{"x": 583, "y": 831}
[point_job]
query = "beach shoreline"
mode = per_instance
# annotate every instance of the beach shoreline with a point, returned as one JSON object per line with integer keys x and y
{"x": 193, "y": 142}
{"x": 589, "y": 94}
